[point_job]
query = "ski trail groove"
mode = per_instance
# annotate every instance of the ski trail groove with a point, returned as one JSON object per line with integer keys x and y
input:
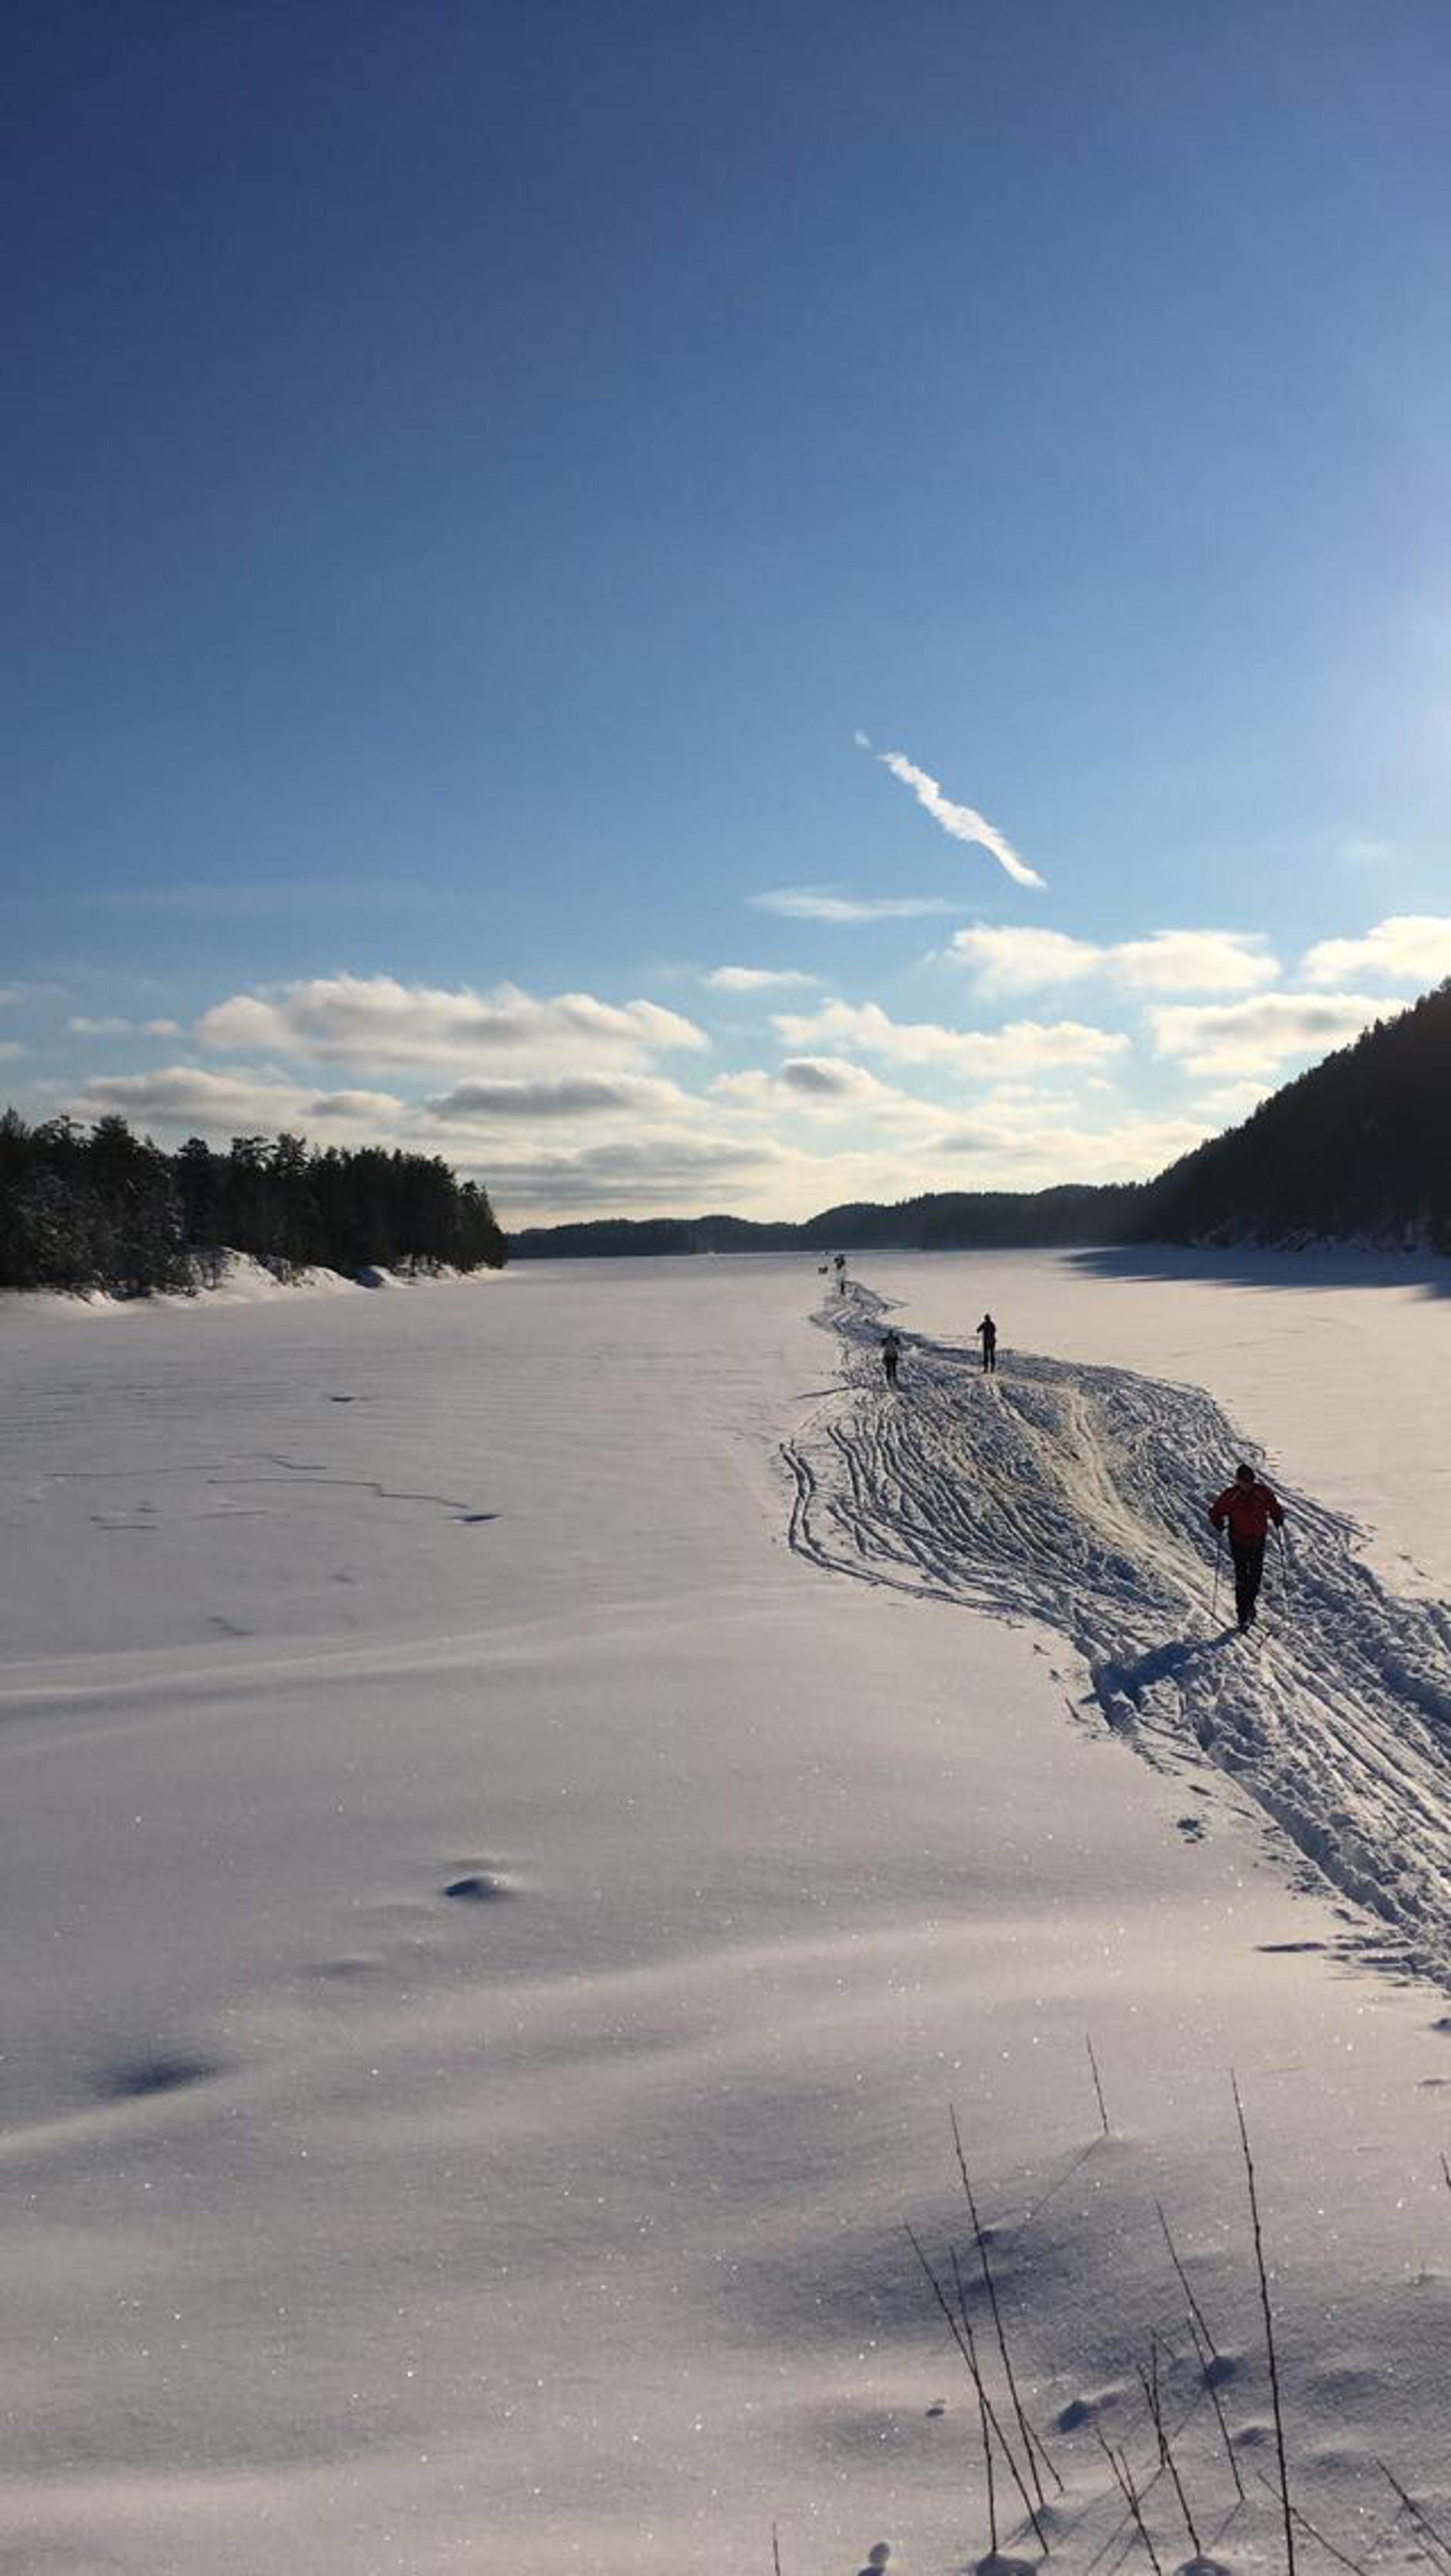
{"x": 1077, "y": 1496}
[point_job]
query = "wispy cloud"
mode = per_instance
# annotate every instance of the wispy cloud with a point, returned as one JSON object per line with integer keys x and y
{"x": 754, "y": 979}
{"x": 1005, "y": 958}
{"x": 822, "y": 903}
{"x": 250, "y": 898}
{"x": 1022, "y": 1047}
{"x": 959, "y": 822}
{"x": 10, "y": 1048}
{"x": 112, "y": 1027}
{"x": 1412, "y": 948}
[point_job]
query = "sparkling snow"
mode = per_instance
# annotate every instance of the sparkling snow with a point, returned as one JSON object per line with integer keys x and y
{"x": 494, "y": 1929}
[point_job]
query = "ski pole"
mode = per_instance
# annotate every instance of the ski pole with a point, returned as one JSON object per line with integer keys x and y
{"x": 1285, "y": 1561}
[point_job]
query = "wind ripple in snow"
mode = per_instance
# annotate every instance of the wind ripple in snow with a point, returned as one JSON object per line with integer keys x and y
{"x": 1076, "y": 1496}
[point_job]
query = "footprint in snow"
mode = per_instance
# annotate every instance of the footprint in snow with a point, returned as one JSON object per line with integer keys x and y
{"x": 1191, "y": 1827}
{"x": 136, "y": 2079}
{"x": 1078, "y": 2412}
{"x": 478, "y": 1887}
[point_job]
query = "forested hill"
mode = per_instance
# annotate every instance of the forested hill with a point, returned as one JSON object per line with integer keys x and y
{"x": 1359, "y": 1147}
{"x": 942, "y": 1221}
{"x": 100, "y": 1208}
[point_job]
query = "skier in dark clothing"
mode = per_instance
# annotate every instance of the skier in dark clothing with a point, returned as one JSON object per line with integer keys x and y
{"x": 1248, "y": 1507}
{"x": 891, "y": 1353}
{"x": 989, "y": 1332}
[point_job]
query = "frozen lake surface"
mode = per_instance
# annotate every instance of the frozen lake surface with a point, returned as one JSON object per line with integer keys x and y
{"x": 494, "y": 1928}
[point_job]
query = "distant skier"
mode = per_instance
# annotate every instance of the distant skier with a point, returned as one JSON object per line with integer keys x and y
{"x": 841, "y": 1274}
{"x": 1248, "y": 1507}
{"x": 989, "y": 1332}
{"x": 891, "y": 1353}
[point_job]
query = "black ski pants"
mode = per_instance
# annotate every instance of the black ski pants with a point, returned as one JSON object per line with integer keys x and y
{"x": 1249, "y": 1567}
{"x": 889, "y": 1363}
{"x": 990, "y": 1355}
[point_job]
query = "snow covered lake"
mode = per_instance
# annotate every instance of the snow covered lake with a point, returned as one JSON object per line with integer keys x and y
{"x": 528, "y": 1802}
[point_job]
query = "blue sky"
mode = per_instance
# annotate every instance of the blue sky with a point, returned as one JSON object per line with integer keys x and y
{"x": 479, "y": 469}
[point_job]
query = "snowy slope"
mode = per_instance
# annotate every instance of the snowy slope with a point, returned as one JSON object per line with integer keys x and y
{"x": 493, "y": 1933}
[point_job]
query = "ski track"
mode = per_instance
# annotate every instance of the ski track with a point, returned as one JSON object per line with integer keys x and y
{"x": 1077, "y": 1496}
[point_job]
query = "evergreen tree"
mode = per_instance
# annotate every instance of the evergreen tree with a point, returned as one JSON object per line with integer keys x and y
{"x": 110, "y": 1210}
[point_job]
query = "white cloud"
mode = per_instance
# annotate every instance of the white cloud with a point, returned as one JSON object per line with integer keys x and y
{"x": 1034, "y": 1154}
{"x": 753, "y": 979}
{"x": 190, "y": 1095}
{"x": 1022, "y": 1047}
{"x": 374, "y": 1020}
{"x": 1412, "y": 948}
{"x": 1011, "y": 960}
{"x": 960, "y": 822}
{"x": 161, "y": 1028}
{"x": 102, "y": 1028}
{"x": 1233, "y": 1101}
{"x": 378, "y": 1111}
{"x": 579, "y": 1095}
{"x": 1008, "y": 958}
{"x": 1254, "y": 1037}
{"x": 1193, "y": 961}
{"x": 10, "y": 1048}
{"x": 676, "y": 1175}
{"x": 824, "y": 1087}
{"x": 820, "y": 903}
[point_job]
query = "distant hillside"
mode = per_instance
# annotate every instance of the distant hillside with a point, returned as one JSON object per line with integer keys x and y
{"x": 1358, "y": 1147}
{"x": 943, "y": 1221}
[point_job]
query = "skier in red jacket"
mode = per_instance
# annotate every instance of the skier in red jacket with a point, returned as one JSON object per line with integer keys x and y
{"x": 1248, "y": 1507}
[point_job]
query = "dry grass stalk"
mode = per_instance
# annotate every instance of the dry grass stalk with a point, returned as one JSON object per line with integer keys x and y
{"x": 1254, "y": 2211}
{"x": 1097, "y": 2086}
{"x": 1152, "y": 2392}
{"x": 1341, "y": 2556}
{"x": 1034, "y": 2447}
{"x": 1205, "y": 2358}
{"x": 1195, "y": 2310}
{"x": 969, "y": 2357}
{"x": 987, "y": 2448}
{"x": 1120, "y": 2467}
{"x": 1422, "y": 2520}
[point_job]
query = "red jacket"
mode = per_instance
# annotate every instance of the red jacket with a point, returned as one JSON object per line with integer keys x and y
{"x": 1249, "y": 1510}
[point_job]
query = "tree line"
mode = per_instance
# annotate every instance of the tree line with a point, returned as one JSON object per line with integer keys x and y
{"x": 940, "y": 1221}
{"x": 100, "y": 1207}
